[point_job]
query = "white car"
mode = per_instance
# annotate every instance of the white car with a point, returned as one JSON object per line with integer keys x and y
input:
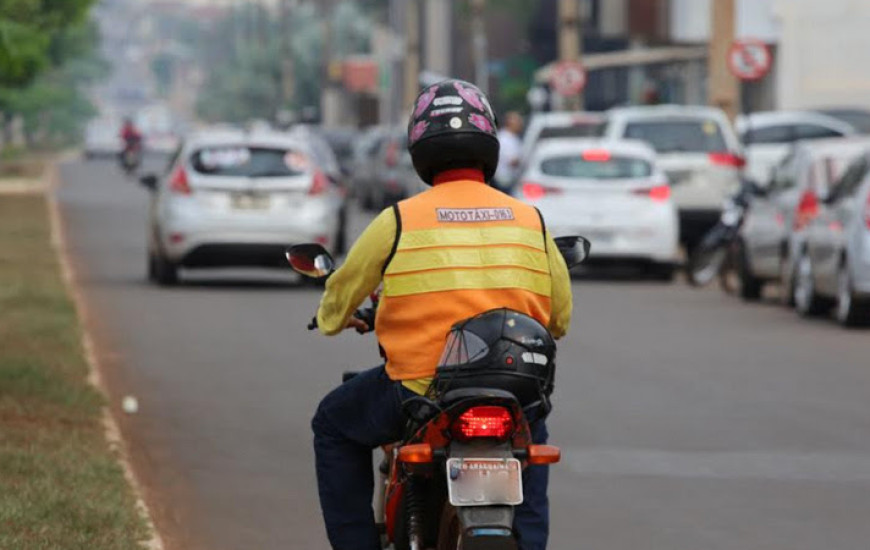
{"x": 698, "y": 150}
{"x": 560, "y": 124}
{"x": 611, "y": 192}
{"x": 238, "y": 199}
{"x": 774, "y": 231}
{"x": 833, "y": 268}
{"x": 768, "y": 136}
{"x": 103, "y": 139}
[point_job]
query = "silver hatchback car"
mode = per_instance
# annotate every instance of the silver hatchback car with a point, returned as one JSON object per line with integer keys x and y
{"x": 833, "y": 269}
{"x": 237, "y": 199}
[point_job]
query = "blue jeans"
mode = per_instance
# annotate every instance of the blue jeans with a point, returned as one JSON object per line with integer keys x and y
{"x": 363, "y": 414}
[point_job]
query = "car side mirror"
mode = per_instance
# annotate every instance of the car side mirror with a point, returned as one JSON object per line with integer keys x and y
{"x": 149, "y": 181}
{"x": 574, "y": 249}
{"x": 311, "y": 260}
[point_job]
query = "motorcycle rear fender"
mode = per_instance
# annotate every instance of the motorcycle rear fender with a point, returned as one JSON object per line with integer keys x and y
{"x": 485, "y": 527}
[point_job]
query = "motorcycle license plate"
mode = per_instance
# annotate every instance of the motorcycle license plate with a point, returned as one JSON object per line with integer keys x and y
{"x": 245, "y": 201}
{"x": 484, "y": 481}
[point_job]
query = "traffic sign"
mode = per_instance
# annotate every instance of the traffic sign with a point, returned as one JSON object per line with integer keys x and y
{"x": 749, "y": 59}
{"x": 568, "y": 78}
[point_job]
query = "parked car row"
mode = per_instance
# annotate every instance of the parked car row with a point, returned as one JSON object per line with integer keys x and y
{"x": 382, "y": 172}
{"x": 809, "y": 231}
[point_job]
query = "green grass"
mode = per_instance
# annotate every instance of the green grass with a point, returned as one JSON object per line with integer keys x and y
{"x": 61, "y": 487}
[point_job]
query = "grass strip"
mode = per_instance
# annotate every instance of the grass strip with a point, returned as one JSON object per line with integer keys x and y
{"x": 61, "y": 486}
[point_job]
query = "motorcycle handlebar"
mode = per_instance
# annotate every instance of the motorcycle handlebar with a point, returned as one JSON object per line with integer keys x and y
{"x": 367, "y": 315}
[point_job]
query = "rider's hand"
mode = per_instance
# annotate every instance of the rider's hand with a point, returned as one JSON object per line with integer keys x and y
{"x": 358, "y": 324}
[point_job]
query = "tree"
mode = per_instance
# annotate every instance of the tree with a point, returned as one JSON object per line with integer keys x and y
{"x": 53, "y": 105}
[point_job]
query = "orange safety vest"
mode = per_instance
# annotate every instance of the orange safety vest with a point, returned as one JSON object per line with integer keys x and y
{"x": 461, "y": 248}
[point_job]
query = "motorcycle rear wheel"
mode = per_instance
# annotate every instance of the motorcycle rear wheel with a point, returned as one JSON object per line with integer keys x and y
{"x": 450, "y": 530}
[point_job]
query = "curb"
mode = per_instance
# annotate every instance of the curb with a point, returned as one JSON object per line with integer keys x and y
{"x": 110, "y": 426}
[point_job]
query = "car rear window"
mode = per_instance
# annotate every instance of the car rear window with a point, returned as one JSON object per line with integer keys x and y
{"x": 674, "y": 136}
{"x": 249, "y": 162}
{"x": 575, "y": 130}
{"x": 607, "y": 168}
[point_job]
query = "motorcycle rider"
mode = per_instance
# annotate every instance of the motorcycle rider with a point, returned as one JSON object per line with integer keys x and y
{"x": 130, "y": 135}
{"x": 452, "y": 252}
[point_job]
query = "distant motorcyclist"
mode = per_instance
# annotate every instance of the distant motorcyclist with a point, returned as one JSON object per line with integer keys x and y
{"x": 131, "y": 155}
{"x": 130, "y": 135}
{"x": 448, "y": 254}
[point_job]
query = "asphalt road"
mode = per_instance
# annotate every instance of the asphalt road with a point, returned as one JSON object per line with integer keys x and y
{"x": 688, "y": 420}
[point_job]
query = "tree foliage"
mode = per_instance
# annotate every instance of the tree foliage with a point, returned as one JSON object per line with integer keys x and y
{"x": 245, "y": 58}
{"x": 48, "y": 56}
{"x": 27, "y": 32}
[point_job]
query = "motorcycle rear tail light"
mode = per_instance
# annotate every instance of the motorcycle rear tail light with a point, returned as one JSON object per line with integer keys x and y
{"x": 178, "y": 183}
{"x": 727, "y": 159}
{"x": 483, "y": 422}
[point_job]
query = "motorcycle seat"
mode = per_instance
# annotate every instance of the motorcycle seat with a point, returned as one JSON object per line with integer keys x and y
{"x": 454, "y": 396}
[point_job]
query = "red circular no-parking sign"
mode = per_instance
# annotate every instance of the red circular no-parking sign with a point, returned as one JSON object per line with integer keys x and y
{"x": 568, "y": 78}
{"x": 749, "y": 59}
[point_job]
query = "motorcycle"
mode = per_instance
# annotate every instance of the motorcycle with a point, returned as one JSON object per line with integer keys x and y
{"x": 716, "y": 255}
{"x": 131, "y": 156}
{"x": 454, "y": 479}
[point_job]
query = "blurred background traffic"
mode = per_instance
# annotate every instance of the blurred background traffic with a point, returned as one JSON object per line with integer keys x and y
{"x": 632, "y": 122}
{"x": 722, "y": 144}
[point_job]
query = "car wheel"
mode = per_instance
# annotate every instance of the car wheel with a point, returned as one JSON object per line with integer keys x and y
{"x": 365, "y": 199}
{"x": 165, "y": 272}
{"x": 750, "y": 285}
{"x": 850, "y": 311}
{"x": 662, "y": 272}
{"x": 152, "y": 268}
{"x": 787, "y": 277}
{"x": 807, "y": 302}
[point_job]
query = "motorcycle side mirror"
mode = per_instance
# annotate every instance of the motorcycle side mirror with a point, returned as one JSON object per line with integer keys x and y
{"x": 574, "y": 249}
{"x": 310, "y": 260}
{"x": 149, "y": 181}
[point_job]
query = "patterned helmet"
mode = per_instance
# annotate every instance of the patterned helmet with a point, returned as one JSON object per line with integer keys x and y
{"x": 452, "y": 126}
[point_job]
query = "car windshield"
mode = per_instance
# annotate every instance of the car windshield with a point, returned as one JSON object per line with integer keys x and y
{"x": 679, "y": 135}
{"x": 602, "y": 167}
{"x": 249, "y": 162}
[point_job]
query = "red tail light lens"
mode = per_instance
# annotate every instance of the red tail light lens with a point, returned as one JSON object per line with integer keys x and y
{"x": 807, "y": 209}
{"x": 867, "y": 213}
{"x": 178, "y": 183}
{"x": 659, "y": 193}
{"x": 392, "y": 155}
{"x": 534, "y": 191}
{"x": 319, "y": 183}
{"x": 727, "y": 159}
{"x": 596, "y": 155}
{"x": 485, "y": 421}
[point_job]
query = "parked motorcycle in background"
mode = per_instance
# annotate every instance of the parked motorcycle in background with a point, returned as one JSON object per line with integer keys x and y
{"x": 717, "y": 255}
{"x": 456, "y": 476}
